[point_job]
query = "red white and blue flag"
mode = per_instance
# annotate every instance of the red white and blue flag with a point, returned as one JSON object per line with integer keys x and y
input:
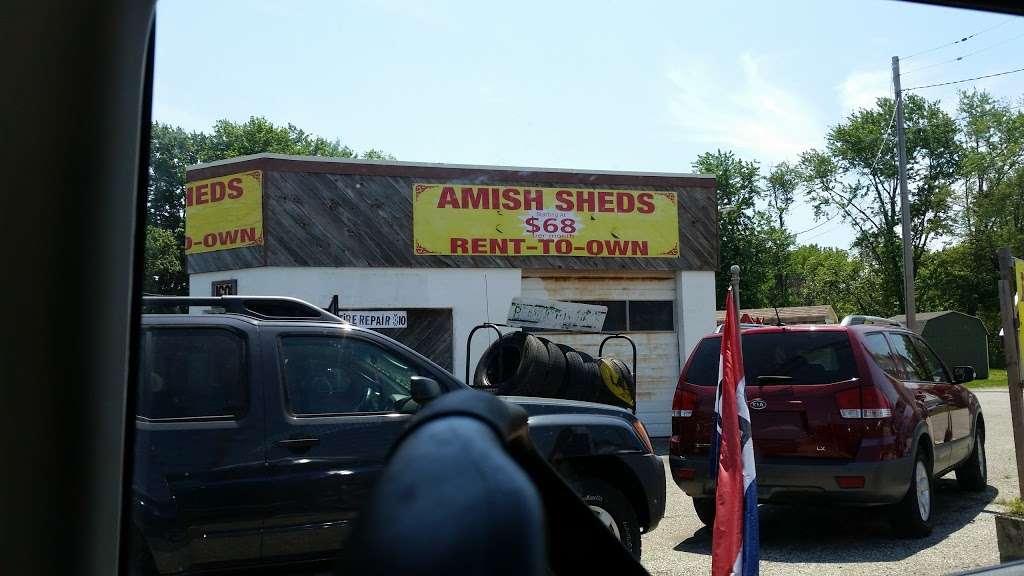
{"x": 734, "y": 545}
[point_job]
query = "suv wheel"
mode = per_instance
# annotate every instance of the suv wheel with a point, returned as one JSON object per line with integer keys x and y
{"x": 614, "y": 510}
{"x": 912, "y": 516}
{"x": 705, "y": 508}
{"x": 972, "y": 474}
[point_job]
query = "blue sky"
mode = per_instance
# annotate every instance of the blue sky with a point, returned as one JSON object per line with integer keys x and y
{"x": 641, "y": 86}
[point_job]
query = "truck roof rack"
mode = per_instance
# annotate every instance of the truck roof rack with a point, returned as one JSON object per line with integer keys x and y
{"x": 855, "y": 319}
{"x": 258, "y": 307}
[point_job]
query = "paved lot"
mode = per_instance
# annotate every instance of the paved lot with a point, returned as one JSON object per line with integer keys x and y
{"x": 857, "y": 541}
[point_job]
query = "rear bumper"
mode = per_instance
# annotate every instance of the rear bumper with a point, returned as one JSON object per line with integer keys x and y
{"x": 803, "y": 481}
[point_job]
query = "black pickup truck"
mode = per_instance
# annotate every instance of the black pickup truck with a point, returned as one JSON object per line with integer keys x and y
{"x": 262, "y": 423}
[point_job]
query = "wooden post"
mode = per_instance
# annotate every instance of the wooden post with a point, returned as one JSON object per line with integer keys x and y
{"x": 1007, "y": 285}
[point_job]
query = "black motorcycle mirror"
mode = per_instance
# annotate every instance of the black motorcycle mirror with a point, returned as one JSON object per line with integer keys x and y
{"x": 424, "y": 389}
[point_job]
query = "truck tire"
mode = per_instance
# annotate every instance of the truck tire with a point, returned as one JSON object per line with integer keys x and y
{"x": 513, "y": 365}
{"x": 705, "y": 508}
{"x": 616, "y": 383}
{"x": 588, "y": 379}
{"x": 571, "y": 380}
{"x": 912, "y": 516}
{"x": 612, "y": 507}
{"x": 555, "y": 377}
{"x": 972, "y": 474}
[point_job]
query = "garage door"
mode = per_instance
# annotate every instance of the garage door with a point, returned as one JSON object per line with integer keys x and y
{"x": 642, "y": 308}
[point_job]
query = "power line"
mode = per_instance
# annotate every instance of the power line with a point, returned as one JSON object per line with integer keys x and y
{"x": 960, "y": 41}
{"x": 964, "y": 80}
{"x": 962, "y": 56}
{"x": 812, "y": 228}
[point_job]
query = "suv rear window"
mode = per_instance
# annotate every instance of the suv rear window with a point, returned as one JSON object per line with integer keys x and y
{"x": 781, "y": 358}
{"x": 191, "y": 373}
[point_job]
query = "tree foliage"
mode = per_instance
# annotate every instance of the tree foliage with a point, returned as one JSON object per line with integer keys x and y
{"x": 172, "y": 149}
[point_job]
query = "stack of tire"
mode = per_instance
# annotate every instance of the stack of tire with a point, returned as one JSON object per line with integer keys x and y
{"x": 521, "y": 364}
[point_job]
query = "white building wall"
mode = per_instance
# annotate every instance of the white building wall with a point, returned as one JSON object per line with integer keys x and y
{"x": 475, "y": 295}
{"x": 695, "y": 309}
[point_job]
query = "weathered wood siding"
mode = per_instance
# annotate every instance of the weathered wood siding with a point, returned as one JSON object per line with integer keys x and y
{"x": 336, "y": 214}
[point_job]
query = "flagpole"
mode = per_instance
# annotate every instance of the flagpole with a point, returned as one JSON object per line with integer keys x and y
{"x": 735, "y": 283}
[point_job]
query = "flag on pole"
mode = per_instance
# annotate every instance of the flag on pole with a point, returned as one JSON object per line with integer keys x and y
{"x": 734, "y": 545}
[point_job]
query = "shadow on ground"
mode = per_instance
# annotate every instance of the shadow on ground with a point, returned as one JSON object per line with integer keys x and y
{"x": 797, "y": 534}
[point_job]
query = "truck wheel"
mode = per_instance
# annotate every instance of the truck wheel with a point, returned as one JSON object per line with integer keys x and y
{"x": 705, "y": 508}
{"x": 613, "y": 509}
{"x": 972, "y": 474}
{"x": 555, "y": 377}
{"x": 911, "y": 517}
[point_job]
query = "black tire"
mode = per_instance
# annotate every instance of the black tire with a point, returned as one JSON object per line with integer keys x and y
{"x": 906, "y": 516}
{"x": 601, "y": 496}
{"x": 588, "y": 379}
{"x": 555, "y": 377}
{"x": 572, "y": 380}
{"x": 972, "y": 474}
{"x": 523, "y": 363}
{"x": 705, "y": 508}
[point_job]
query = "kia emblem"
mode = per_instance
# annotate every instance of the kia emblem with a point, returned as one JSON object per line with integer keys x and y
{"x": 758, "y": 404}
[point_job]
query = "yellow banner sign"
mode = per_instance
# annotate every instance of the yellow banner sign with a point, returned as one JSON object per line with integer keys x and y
{"x": 463, "y": 220}
{"x": 224, "y": 212}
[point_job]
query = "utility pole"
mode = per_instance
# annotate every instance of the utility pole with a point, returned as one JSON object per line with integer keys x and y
{"x": 1011, "y": 328}
{"x": 909, "y": 299}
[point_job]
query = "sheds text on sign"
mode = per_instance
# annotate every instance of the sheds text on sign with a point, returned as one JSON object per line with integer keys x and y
{"x": 455, "y": 219}
{"x": 224, "y": 212}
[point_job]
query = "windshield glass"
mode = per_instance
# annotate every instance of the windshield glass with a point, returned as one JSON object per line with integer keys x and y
{"x": 785, "y": 358}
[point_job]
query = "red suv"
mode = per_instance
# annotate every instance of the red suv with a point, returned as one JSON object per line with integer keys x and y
{"x": 860, "y": 413}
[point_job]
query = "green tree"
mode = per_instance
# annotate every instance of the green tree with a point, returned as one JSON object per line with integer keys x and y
{"x": 172, "y": 149}
{"x": 781, "y": 186}
{"x": 163, "y": 263}
{"x": 744, "y": 230}
{"x": 849, "y": 178}
{"x": 820, "y": 275}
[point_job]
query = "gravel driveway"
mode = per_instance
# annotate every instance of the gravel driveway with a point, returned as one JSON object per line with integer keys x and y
{"x": 837, "y": 540}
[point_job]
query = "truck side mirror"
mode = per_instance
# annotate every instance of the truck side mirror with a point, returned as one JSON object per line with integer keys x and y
{"x": 424, "y": 389}
{"x": 963, "y": 374}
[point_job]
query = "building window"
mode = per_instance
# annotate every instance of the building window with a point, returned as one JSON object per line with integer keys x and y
{"x": 651, "y": 316}
{"x": 637, "y": 315}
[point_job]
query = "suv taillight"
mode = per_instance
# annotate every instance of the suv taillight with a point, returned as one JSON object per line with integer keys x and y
{"x": 683, "y": 403}
{"x": 863, "y": 402}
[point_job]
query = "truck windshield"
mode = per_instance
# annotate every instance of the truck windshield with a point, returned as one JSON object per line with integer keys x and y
{"x": 781, "y": 358}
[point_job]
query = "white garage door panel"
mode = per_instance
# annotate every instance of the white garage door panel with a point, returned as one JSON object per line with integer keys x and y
{"x": 657, "y": 352}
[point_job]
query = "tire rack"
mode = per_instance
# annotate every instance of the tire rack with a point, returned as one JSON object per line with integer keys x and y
{"x": 600, "y": 349}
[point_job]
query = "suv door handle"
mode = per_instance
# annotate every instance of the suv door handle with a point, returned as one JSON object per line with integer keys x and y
{"x": 298, "y": 444}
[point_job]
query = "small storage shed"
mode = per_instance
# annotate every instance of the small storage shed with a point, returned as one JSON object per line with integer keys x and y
{"x": 959, "y": 339}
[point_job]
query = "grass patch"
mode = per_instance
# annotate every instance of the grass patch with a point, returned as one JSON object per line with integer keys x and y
{"x": 996, "y": 379}
{"x": 1015, "y": 507}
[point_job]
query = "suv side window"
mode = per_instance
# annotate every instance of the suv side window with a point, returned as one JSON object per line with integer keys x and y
{"x": 191, "y": 373}
{"x": 878, "y": 347}
{"x": 936, "y": 371}
{"x": 326, "y": 375}
{"x": 912, "y": 367}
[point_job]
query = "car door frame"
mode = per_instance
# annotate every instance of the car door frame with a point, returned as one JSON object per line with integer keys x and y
{"x": 289, "y": 533}
{"x": 959, "y": 407}
{"x": 161, "y": 513}
{"x": 931, "y": 395}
